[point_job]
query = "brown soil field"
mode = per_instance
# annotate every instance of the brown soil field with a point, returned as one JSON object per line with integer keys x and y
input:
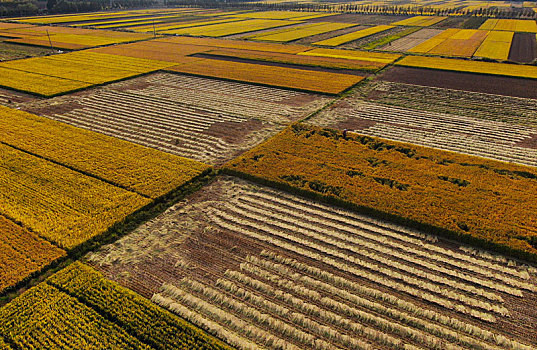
{"x": 11, "y": 98}
{"x": 10, "y": 51}
{"x": 523, "y": 48}
{"x": 462, "y": 81}
{"x": 285, "y": 265}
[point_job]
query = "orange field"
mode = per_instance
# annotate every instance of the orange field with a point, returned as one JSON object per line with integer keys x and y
{"x": 464, "y": 195}
{"x": 330, "y": 83}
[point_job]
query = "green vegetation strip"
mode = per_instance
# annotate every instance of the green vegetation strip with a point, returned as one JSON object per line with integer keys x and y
{"x": 388, "y": 39}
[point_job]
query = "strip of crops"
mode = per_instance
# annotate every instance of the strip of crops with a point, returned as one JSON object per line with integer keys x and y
{"x": 423, "y": 186}
{"x": 22, "y": 253}
{"x": 139, "y": 169}
{"x": 419, "y": 21}
{"x": 512, "y": 110}
{"x": 224, "y": 29}
{"x": 327, "y": 62}
{"x": 353, "y": 55}
{"x": 77, "y": 307}
{"x": 345, "y": 38}
{"x": 353, "y": 282}
{"x": 305, "y": 80}
{"x": 453, "y": 42}
{"x": 234, "y": 44}
{"x": 295, "y": 33}
{"x": 505, "y": 69}
{"x": 494, "y": 140}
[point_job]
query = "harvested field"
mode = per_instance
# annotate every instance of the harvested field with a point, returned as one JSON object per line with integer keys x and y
{"x": 489, "y": 84}
{"x": 523, "y": 48}
{"x": 13, "y": 51}
{"x": 499, "y": 108}
{"x": 483, "y": 138}
{"x": 197, "y": 118}
{"x": 263, "y": 268}
{"x": 409, "y": 41}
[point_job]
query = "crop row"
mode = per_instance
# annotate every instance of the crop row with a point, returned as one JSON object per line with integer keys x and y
{"x": 77, "y": 307}
{"x": 418, "y": 185}
{"x": 295, "y": 33}
{"x": 495, "y": 140}
{"x": 192, "y": 132}
{"x": 514, "y": 110}
{"x": 22, "y": 253}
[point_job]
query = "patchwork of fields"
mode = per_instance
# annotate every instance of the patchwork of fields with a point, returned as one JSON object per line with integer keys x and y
{"x": 351, "y": 176}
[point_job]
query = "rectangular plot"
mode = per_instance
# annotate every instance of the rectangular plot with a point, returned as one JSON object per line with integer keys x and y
{"x": 331, "y": 83}
{"x": 296, "y": 33}
{"x": 345, "y": 38}
{"x": 223, "y": 29}
{"x": 496, "y": 46}
{"x": 353, "y": 55}
{"x": 22, "y": 253}
{"x": 419, "y": 21}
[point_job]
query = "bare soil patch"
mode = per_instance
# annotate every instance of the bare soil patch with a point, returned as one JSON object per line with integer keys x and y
{"x": 523, "y": 48}
{"x": 462, "y": 81}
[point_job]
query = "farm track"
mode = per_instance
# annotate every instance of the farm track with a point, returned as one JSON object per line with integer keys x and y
{"x": 484, "y": 138}
{"x": 222, "y": 120}
{"x": 266, "y": 269}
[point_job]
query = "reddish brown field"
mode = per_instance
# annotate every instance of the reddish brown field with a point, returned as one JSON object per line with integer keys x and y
{"x": 523, "y": 48}
{"x": 516, "y": 87}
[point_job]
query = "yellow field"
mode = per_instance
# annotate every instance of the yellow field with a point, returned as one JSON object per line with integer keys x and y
{"x": 345, "y": 38}
{"x": 223, "y": 29}
{"x": 72, "y": 71}
{"x": 453, "y": 42}
{"x": 295, "y": 33}
{"x": 496, "y": 46}
{"x": 512, "y": 25}
{"x": 419, "y": 21}
{"x": 43, "y": 85}
{"x": 470, "y": 66}
{"x": 281, "y": 15}
{"x": 353, "y": 55}
{"x": 307, "y": 80}
{"x": 235, "y": 44}
{"x": 60, "y": 204}
{"x": 139, "y": 169}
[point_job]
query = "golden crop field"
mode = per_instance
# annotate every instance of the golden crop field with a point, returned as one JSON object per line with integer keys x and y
{"x": 453, "y": 42}
{"x": 104, "y": 313}
{"x": 419, "y": 21}
{"x": 140, "y": 169}
{"x": 327, "y": 62}
{"x": 470, "y": 66}
{"x": 60, "y": 204}
{"x": 345, "y": 38}
{"x": 156, "y": 50}
{"x": 170, "y": 28}
{"x": 306, "y": 80}
{"x": 235, "y": 44}
{"x": 294, "y": 15}
{"x": 38, "y": 84}
{"x": 353, "y": 55}
{"x": 496, "y": 46}
{"x": 229, "y": 28}
{"x": 295, "y": 33}
{"x": 72, "y": 71}
{"x": 431, "y": 187}
{"x": 22, "y": 253}
{"x": 512, "y": 25}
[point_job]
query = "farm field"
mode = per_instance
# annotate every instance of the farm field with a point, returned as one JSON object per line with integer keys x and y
{"x": 57, "y": 188}
{"x": 464, "y": 81}
{"x": 106, "y": 315}
{"x": 462, "y": 134}
{"x": 268, "y": 175}
{"x": 398, "y": 181}
{"x": 291, "y": 272}
{"x": 223, "y": 120}
{"x": 408, "y": 42}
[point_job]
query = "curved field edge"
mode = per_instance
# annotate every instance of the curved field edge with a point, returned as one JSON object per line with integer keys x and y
{"x": 85, "y": 294}
{"x": 315, "y": 191}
